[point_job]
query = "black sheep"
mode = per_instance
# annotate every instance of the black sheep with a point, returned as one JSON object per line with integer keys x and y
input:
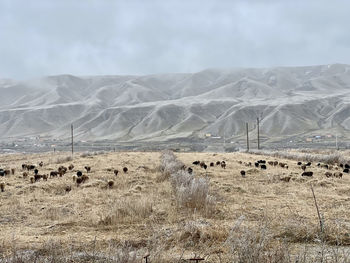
{"x": 309, "y": 173}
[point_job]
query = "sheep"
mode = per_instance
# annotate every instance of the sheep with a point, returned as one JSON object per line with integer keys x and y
{"x": 45, "y": 176}
{"x": 263, "y": 167}
{"x": 299, "y": 163}
{"x": 31, "y": 179}
{"x": 328, "y": 174}
{"x": 223, "y": 164}
{"x": 338, "y": 175}
{"x": 79, "y": 181}
{"x": 25, "y": 174}
{"x": 87, "y": 168}
{"x": 30, "y": 167}
{"x": 68, "y": 188}
{"x": 74, "y": 178}
{"x": 13, "y": 170}
{"x": 2, "y": 172}
{"x": 7, "y": 172}
{"x": 2, "y": 186}
{"x": 218, "y": 163}
{"x": 79, "y": 173}
{"x": 110, "y": 183}
{"x": 202, "y": 164}
{"x": 303, "y": 167}
{"x": 309, "y": 173}
{"x": 24, "y": 166}
{"x": 196, "y": 162}
{"x": 62, "y": 170}
{"x": 37, "y": 177}
{"x": 190, "y": 170}
{"x": 53, "y": 174}
{"x": 243, "y": 173}
{"x": 211, "y": 164}
{"x": 308, "y": 164}
{"x": 82, "y": 179}
{"x": 325, "y": 166}
{"x": 275, "y": 163}
{"x": 41, "y": 164}
{"x": 256, "y": 164}
{"x": 71, "y": 167}
{"x": 36, "y": 171}
{"x": 116, "y": 172}
{"x": 270, "y": 163}
{"x": 283, "y": 165}
{"x": 125, "y": 169}
{"x": 346, "y": 170}
{"x": 85, "y": 177}
{"x": 346, "y": 166}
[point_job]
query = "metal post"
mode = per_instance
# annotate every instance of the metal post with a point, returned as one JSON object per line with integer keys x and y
{"x": 336, "y": 141}
{"x": 258, "y": 133}
{"x": 247, "y": 136}
{"x": 72, "y": 139}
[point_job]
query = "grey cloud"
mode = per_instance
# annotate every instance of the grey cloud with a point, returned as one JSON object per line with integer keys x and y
{"x": 47, "y": 37}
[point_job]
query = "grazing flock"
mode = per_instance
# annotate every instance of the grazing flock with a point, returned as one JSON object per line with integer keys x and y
{"x": 33, "y": 174}
{"x": 335, "y": 171}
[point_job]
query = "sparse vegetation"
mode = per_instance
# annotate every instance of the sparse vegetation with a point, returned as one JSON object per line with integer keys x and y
{"x": 223, "y": 215}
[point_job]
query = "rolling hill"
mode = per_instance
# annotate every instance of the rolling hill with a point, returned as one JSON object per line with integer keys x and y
{"x": 290, "y": 101}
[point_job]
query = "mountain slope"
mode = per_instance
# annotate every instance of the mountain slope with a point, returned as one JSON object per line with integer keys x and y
{"x": 288, "y": 100}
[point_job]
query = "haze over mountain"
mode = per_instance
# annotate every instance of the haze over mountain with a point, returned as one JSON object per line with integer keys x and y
{"x": 289, "y": 100}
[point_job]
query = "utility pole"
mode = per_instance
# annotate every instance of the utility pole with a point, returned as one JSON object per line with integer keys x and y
{"x": 224, "y": 140}
{"x": 246, "y": 124}
{"x": 336, "y": 141}
{"x": 72, "y": 139}
{"x": 257, "y": 119}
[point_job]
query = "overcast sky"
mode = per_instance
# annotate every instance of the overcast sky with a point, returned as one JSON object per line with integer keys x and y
{"x": 94, "y": 37}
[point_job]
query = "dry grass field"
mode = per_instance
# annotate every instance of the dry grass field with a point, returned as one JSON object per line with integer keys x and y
{"x": 156, "y": 208}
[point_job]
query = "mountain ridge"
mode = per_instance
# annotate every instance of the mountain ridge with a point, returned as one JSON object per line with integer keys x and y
{"x": 290, "y": 101}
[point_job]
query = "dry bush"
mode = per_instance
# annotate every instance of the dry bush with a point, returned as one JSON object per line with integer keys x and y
{"x": 65, "y": 159}
{"x": 298, "y": 229}
{"x": 190, "y": 191}
{"x": 169, "y": 164}
{"x": 200, "y": 232}
{"x": 259, "y": 244}
{"x": 128, "y": 210}
{"x": 256, "y": 245}
{"x": 55, "y": 252}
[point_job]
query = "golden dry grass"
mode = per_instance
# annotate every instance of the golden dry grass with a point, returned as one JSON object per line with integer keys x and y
{"x": 140, "y": 211}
